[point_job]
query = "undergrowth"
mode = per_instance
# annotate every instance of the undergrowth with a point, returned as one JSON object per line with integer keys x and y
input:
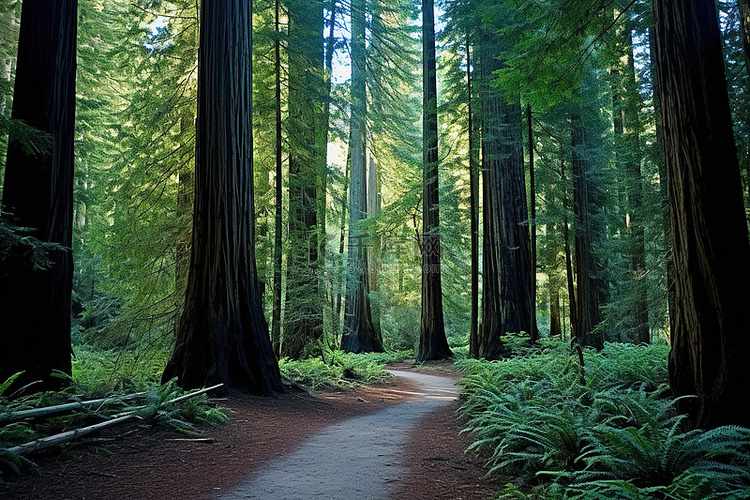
{"x": 339, "y": 369}
{"x": 604, "y": 430}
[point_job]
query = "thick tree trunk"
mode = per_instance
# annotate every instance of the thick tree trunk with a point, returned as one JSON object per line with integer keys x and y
{"x": 710, "y": 345}
{"x": 474, "y": 212}
{"x": 223, "y": 335}
{"x": 506, "y": 292}
{"x": 433, "y": 343}
{"x": 359, "y": 334}
{"x": 303, "y": 319}
{"x": 38, "y": 194}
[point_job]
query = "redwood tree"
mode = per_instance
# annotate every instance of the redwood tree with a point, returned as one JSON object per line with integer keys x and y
{"x": 38, "y": 195}
{"x": 710, "y": 342}
{"x": 432, "y": 341}
{"x": 507, "y": 289}
{"x": 303, "y": 316}
{"x": 223, "y": 335}
{"x": 359, "y": 333}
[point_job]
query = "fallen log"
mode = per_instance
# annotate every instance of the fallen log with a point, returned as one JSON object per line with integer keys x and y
{"x": 50, "y": 411}
{"x": 72, "y": 435}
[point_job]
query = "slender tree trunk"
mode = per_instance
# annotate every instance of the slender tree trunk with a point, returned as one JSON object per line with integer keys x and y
{"x": 474, "y": 215}
{"x": 373, "y": 209}
{"x": 433, "y": 343}
{"x": 341, "y": 285}
{"x": 744, "y": 7}
{"x": 534, "y": 333}
{"x": 303, "y": 319}
{"x": 573, "y": 306}
{"x": 223, "y": 335}
{"x": 35, "y": 304}
{"x": 587, "y": 195}
{"x": 506, "y": 292}
{"x": 278, "y": 241}
{"x": 587, "y": 268}
{"x": 710, "y": 345}
{"x": 359, "y": 334}
{"x": 626, "y": 104}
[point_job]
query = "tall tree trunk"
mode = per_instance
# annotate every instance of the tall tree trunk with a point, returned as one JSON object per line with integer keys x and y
{"x": 373, "y": 209}
{"x": 303, "y": 320}
{"x": 585, "y": 142}
{"x": 474, "y": 212}
{"x": 744, "y": 6}
{"x": 506, "y": 292}
{"x": 341, "y": 285}
{"x": 433, "y": 343}
{"x": 278, "y": 241}
{"x": 710, "y": 345}
{"x": 626, "y": 104}
{"x": 534, "y": 333}
{"x": 359, "y": 334}
{"x": 570, "y": 278}
{"x": 223, "y": 335}
{"x": 663, "y": 189}
{"x": 35, "y": 304}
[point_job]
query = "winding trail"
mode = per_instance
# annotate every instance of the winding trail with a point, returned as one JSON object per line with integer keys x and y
{"x": 357, "y": 458}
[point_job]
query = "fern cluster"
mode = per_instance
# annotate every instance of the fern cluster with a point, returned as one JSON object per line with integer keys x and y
{"x": 601, "y": 430}
{"x": 339, "y": 369}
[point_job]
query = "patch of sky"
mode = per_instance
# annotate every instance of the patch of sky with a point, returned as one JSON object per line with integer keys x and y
{"x": 159, "y": 37}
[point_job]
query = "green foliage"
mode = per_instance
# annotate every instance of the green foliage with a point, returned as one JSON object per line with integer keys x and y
{"x": 99, "y": 372}
{"x": 340, "y": 369}
{"x": 183, "y": 416}
{"x": 129, "y": 386}
{"x": 599, "y": 431}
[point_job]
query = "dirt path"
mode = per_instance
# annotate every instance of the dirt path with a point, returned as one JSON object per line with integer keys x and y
{"x": 358, "y": 458}
{"x": 148, "y": 463}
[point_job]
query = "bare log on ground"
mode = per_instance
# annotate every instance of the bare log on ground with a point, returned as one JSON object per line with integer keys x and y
{"x": 72, "y": 435}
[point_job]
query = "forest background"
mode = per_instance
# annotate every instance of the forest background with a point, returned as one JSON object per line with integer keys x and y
{"x": 582, "y": 71}
{"x": 368, "y": 216}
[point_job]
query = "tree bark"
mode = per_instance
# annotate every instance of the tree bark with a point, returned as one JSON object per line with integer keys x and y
{"x": 744, "y": 6}
{"x": 626, "y": 104}
{"x": 223, "y": 335}
{"x": 278, "y": 248}
{"x": 433, "y": 343}
{"x": 35, "y": 304}
{"x": 710, "y": 345}
{"x": 303, "y": 319}
{"x": 587, "y": 196}
{"x": 359, "y": 334}
{"x": 474, "y": 212}
{"x": 534, "y": 333}
{"x": 506, "y": 292}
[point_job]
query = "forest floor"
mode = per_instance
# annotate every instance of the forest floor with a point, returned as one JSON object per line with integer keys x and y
{"x": 148, "y": 463}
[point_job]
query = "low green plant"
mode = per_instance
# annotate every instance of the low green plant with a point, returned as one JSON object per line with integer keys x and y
{"x": 339, "y": 369}
{"x": 601, "y": 430}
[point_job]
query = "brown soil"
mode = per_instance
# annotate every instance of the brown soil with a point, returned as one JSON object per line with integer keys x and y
{"x": 148, "y": 463}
